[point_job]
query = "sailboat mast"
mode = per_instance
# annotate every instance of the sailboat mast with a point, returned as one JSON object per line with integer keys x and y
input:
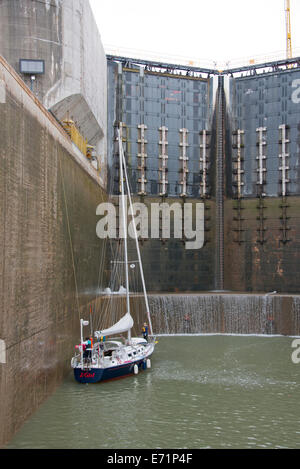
{"x": 124, "y": 226}
{"x": 81, "y": 343}
{"x": 138, "y": 251}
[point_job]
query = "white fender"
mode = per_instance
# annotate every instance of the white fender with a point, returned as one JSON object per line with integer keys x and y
{"x": 148, "y": 363}
{"x": 135, "y": 369}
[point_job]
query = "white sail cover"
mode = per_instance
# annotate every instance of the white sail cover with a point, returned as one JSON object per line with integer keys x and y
{"x": 124, "y": 325}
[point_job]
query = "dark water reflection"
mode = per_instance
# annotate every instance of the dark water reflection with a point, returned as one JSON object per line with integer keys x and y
{"x": 201, "y": 392}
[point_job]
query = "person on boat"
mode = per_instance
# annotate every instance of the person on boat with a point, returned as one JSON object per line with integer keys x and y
{"x": 102, "y": 340}
{"x": 88, "y": 347}
{"x": 145, "y": 331}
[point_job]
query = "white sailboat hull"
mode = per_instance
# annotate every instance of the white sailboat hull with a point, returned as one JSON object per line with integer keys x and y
{"x": 123, "y": 361}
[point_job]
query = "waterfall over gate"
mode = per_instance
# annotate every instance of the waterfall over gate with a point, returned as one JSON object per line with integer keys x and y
{"x": 225, "y": 313}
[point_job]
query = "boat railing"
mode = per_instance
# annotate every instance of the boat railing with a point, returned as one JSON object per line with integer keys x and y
{"x": 96, "y": 358}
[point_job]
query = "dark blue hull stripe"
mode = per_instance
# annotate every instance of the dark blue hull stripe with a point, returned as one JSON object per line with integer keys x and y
{"x": 94, "y": 375}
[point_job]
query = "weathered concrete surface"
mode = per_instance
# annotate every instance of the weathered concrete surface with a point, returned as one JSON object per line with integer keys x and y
{"x": 48, "y": 199}
{"x": 33, "y": 30}
{"x": 64, "y": 34}
{"x": 252, "y": 265}
{"x": 168, "y": 265}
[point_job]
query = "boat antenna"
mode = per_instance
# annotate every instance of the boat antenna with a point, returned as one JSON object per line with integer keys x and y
{"x": 124, "y": 225}
{"x": 91, "y": 323}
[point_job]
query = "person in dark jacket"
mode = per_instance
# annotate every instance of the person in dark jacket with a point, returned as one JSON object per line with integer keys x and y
{"x": 88, "y": 348}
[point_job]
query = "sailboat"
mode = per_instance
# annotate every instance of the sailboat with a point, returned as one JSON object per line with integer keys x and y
{"x": 105, "y": 356}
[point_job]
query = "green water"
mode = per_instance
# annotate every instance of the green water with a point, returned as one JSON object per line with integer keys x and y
{"x": 201, "y": 392}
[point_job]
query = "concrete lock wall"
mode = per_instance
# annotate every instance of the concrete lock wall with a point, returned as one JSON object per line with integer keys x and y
{"x": 49, "y": 194}
{"x": 63, "y": 34}
{"x": 250, "y": 186}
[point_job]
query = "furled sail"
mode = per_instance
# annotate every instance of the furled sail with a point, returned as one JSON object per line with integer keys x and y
{"x": 124, "y": 325}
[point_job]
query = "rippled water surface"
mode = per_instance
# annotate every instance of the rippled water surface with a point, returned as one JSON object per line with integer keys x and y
{"x": 201, "y": 392}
